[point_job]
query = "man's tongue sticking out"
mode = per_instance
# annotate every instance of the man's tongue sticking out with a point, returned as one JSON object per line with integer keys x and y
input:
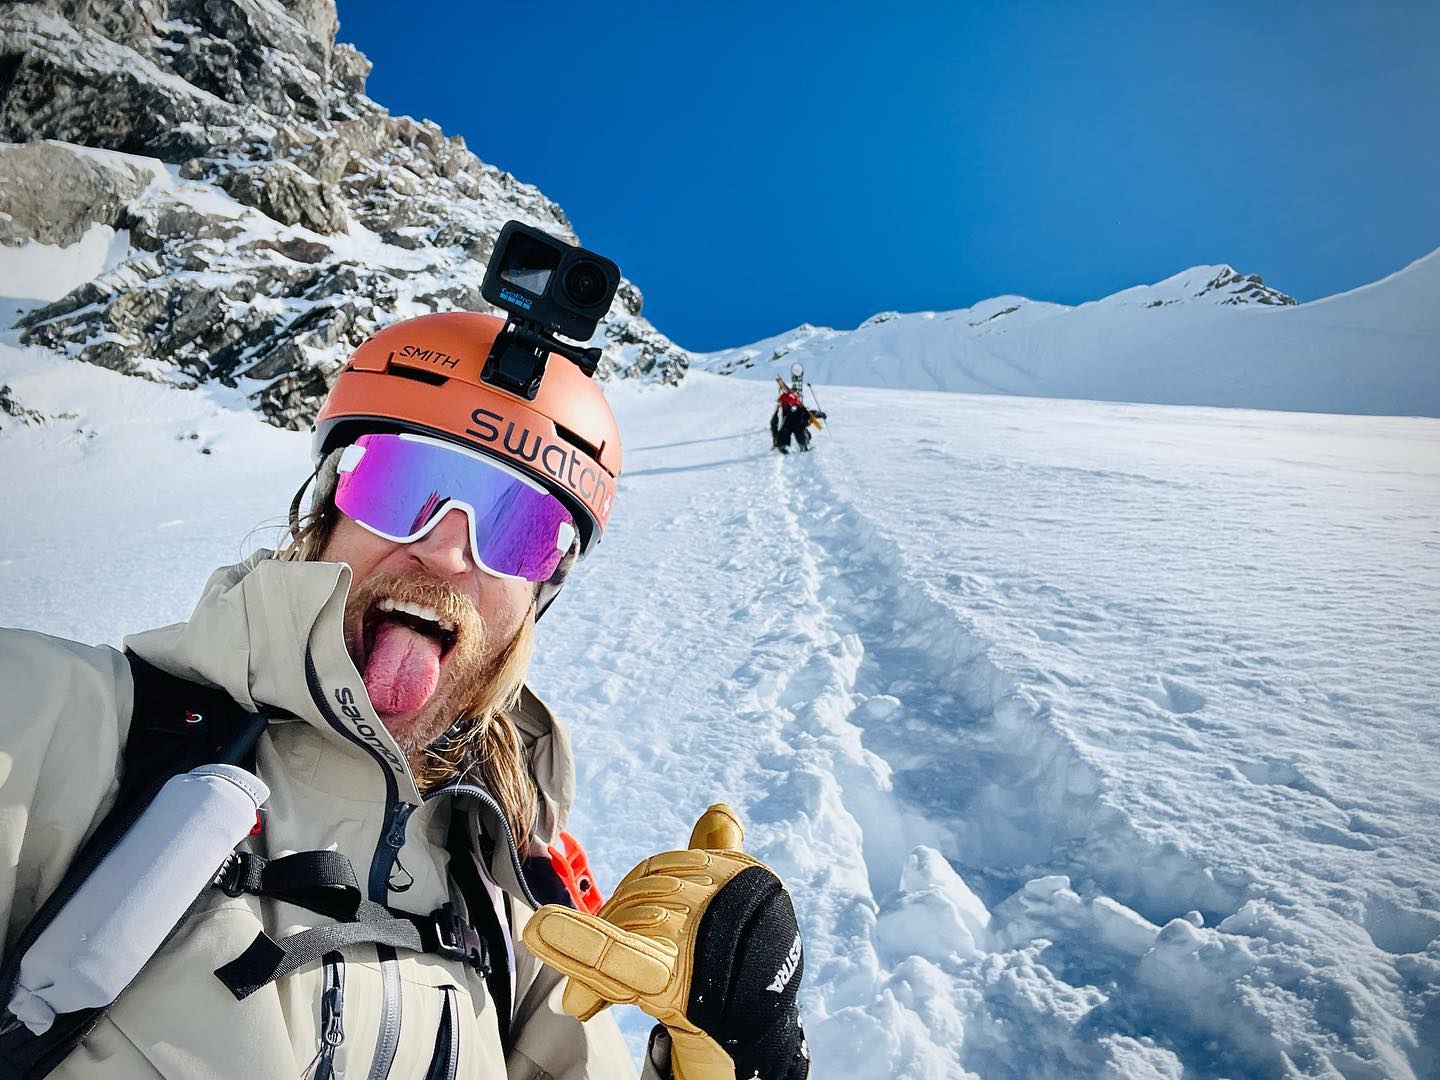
{"x": 402, "y": 670}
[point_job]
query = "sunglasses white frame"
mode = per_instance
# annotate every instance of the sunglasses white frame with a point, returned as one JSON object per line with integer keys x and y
{"x": 351, "y": 456}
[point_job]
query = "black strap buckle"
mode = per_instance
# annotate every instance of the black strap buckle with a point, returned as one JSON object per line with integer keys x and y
{"x": 232, "y": 875}
{"x": 456, "y": 938}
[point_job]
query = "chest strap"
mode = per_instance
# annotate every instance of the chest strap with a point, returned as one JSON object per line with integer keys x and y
{"x": 324, "y": 882}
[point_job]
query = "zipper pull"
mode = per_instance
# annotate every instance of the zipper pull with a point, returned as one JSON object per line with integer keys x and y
{"x": 394, "y": 839}
{"x": 332, "y": 1034}
{"x": 395, "y": 835}
{"x": 332, "y": 1031}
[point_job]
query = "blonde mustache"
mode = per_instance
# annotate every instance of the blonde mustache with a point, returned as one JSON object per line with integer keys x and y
{"x": 446, "y": 601}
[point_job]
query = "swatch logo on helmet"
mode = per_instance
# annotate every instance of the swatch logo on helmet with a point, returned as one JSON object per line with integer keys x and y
{"x": 558, "y": 460}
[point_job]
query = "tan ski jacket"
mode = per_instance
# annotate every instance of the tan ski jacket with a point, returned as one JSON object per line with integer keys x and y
{"x": 269, "y": 632}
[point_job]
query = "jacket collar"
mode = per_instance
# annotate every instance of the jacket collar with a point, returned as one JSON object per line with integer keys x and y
{"x": 270, "y": 632}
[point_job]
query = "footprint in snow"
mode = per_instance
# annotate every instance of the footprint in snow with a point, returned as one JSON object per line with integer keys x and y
{"x": 1280, "y": 773}
{"x": 1337, "y": 837}
{"x": 1176, "y": 697}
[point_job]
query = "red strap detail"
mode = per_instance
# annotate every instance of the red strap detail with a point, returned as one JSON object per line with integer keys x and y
{"x": 573, "y": 869}
{"x": 258, "y": 825}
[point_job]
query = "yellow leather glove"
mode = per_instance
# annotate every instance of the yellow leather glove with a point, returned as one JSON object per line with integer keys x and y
{"x": 705, "y": 941}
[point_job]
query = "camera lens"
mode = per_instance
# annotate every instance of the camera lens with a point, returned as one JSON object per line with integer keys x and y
{"x": 585, "y": 284}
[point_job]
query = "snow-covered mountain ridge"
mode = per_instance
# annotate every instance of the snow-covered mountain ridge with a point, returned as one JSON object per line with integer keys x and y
{"x": 1205, "y": 336}
{"x": 217, "y": 199}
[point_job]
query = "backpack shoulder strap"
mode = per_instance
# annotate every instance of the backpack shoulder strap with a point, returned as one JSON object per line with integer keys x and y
{"x": 176, "y": 725}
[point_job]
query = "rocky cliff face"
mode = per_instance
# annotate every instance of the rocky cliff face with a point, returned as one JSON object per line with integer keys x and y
{"x": 276, "y": 216}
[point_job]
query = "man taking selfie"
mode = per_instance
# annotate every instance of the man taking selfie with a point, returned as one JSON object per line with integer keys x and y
{"x": 364, "y": 689}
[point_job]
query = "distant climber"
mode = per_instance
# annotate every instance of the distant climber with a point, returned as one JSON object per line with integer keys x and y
{"x": 792, "y": 418}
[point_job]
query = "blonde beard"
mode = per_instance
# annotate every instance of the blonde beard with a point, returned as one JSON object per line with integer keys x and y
{"x": 488, "y": 746}
{"x": 484, "y": 738}
{"x": 480, "y": 681}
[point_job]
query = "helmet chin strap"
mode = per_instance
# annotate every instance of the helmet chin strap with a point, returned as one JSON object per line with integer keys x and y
{"x": 545, "y": 594}
{"x": 295, "y": 502}
{"x": 325, "y": 476}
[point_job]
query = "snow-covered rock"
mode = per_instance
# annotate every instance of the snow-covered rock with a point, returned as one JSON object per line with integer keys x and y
{"x": 1212, "y": 284}
{"x": 275, "y": 215}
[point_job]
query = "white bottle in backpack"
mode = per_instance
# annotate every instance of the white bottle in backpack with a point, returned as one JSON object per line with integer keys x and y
{"x": 123, "y": 912}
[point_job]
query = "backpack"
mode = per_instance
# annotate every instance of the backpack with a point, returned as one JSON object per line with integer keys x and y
{"x": 176, "y": 726}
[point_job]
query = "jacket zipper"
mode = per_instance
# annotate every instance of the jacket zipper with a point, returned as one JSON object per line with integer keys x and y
{"x": 392, "y": 839}
{"x": 332, "y": 1010}
{"x": 490, "y": 801}
{"x": 387, "y": 855}
{"x": 446, "y": 1061}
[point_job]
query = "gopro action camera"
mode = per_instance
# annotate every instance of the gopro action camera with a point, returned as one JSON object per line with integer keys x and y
{"x": 547, "y": 287}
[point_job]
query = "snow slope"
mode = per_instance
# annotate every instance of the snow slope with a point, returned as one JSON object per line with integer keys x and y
{"x": 1092, "y": 740}
{"x": 1184, "y": 340}
{"x": 35, "y": 273}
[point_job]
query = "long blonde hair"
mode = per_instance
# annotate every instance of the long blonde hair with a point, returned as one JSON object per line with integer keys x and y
{"x": 483, "y": 743}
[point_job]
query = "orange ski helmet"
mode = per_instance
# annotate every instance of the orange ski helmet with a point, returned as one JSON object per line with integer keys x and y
{"x": 422, "y": 375}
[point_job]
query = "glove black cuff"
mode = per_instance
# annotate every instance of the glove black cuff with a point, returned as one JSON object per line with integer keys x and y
{"x": 748, "y": 967}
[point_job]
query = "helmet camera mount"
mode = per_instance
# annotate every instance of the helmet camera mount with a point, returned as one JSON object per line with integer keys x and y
{"x": 546, "y": 287}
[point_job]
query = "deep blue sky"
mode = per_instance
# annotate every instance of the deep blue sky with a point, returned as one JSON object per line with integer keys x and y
{"x": 754, "y": 166}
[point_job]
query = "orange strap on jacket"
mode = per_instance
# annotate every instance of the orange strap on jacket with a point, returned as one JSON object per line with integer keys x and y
{"x": 573, "y": 869}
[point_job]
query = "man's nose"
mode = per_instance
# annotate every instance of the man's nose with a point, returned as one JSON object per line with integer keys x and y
{"x": 445, "y": 549}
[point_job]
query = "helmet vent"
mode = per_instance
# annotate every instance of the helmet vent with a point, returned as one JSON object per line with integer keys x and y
{"x": 430, "y": 378}
{"x": 584, "y": 444}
